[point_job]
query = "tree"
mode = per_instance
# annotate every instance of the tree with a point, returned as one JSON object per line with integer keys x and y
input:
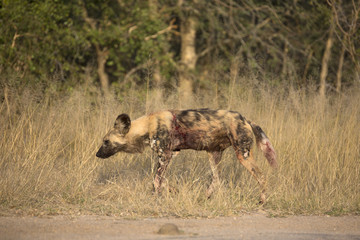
{"x": 346, "y": 15}
{"x": 188, "y": 51}
{"x": 145, "y": 43}
{"x": 37, "y": 39}
{"x": 102, "y": 52}
{"x": 325, "y": 62}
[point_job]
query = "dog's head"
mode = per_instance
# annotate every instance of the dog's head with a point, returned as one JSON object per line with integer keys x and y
{"x": 115, "y": 140}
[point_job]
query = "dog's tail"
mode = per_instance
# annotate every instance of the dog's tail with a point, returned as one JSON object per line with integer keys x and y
{"x": 264, "y": 144}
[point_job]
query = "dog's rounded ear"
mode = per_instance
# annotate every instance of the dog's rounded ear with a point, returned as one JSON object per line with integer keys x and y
{"x": 123, "y": 123}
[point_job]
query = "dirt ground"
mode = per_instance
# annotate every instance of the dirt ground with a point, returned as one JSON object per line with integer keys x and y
{"x": 251, "y": 226}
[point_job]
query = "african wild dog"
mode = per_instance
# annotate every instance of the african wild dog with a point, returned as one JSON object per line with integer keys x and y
{"x": 171, "y": 131}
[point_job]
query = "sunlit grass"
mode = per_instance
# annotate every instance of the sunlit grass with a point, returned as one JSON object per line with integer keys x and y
{"x": 48, "y": 163}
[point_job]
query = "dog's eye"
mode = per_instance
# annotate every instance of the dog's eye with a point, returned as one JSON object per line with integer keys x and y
{"x": 106, "y": 142}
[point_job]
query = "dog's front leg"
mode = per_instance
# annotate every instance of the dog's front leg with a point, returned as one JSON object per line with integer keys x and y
{"x": 214, "y": 159}
{"x": 163, "y": 162}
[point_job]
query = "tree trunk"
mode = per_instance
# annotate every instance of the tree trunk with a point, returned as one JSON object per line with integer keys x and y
{"x": 325, "y": 62}
{"x": 188, "y": 59}
{"x": 339, "y": 71}
{"x": 308, "y": 62}
{"x": 157, "y": 94}
{"x": 234, "y": 73}
{"x": 102, "y": 55}
{"x": 156, "y": 101}
{"x": 284, "y": 70}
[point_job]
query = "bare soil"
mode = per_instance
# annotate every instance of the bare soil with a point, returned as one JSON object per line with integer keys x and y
{"x": 251, "y": 226}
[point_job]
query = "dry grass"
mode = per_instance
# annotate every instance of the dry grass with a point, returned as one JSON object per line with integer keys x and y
{"x": 48, "y": 163}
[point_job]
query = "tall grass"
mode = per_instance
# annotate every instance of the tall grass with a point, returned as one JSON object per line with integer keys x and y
{"x": 48, "y": 163}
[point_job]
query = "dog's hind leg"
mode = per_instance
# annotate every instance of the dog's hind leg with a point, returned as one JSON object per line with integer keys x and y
{"x": 214, "y": 159}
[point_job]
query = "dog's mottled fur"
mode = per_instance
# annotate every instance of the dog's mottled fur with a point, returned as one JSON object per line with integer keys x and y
{"x": 203, "y": 129}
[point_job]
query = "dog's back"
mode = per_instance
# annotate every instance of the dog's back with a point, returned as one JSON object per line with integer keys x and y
{"x": 206, "y": 129}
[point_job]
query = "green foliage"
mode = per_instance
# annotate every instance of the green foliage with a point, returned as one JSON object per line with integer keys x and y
{"x": 52, "y": 43}
{"x": 38, "y": 38}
